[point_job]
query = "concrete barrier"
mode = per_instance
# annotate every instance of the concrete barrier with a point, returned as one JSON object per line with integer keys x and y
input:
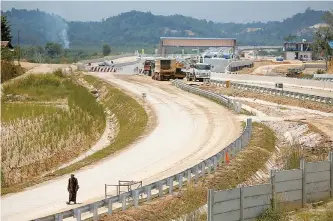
{"x": 292, "y": 189}
{"x": 166, "y": 185}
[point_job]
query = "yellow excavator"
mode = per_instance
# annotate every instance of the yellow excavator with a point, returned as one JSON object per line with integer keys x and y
{"x": 179, "y": 74}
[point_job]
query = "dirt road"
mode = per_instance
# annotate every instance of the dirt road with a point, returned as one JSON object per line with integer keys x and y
{"x": 189, "y": 129}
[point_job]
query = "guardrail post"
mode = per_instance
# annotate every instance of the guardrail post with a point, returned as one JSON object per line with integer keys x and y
{"x": 170, "y": 184}
{"x": 188, "y": 176}
{"x": 215, "y": 163}
{"x": 209, "y": 166}
{"x": 58, "y": 217}
{"x": 218, "y": 158}
{"x": 77, "y": 214}
{"x": 123, "y": 200}
{"x": 135, "y": 194}
{"x": 93, "y": 209}
{"x": 203, "y": 169}
{"x": 109, "y": 206}
{"x": 222, "y": 157}
{"x": 147, "y": 189}
{"x": 196, "y": 173}
{"x": 160, "y": 188}
{"x": 180, "y": 180}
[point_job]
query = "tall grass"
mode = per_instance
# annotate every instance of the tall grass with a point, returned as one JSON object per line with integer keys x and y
{"x": 38, "y": 137}
{"x": 131, "y": 116}
{"x": 38, "y": 87}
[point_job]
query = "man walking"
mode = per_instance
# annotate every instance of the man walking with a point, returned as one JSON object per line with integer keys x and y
{"x": 73, "y": 187}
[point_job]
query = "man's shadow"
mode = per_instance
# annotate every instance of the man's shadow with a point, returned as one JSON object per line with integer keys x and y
{"x": 72, "y": 204}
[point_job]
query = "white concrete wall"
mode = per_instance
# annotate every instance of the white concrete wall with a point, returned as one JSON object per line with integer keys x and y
{"x": 290, "y": 55}
{"x": 294, "y": 188}
{"x": 306, "y": 53}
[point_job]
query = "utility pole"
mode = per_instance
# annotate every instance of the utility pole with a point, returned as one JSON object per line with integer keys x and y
{"x": 19, "y": 48}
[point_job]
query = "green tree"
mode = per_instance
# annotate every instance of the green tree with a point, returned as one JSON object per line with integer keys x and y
{"x": 106, "y": 49}
{"x": 322, "y": 37}
{"x": 290, "y": 38}
{"x": 5, "y": 30}
{"x": 53, "y": 49}
{"x": 6, "y": 53}
{"x": 320, "y": 44}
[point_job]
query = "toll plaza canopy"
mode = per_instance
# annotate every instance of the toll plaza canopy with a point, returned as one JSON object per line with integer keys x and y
{"x": 195, "y": 42}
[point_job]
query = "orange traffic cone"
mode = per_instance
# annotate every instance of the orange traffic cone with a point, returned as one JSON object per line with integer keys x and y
{"x": 227, "y": 158}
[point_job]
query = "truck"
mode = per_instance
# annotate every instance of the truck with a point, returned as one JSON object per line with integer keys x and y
{"x": 164, "y": 69}
{"x": 106, "y": 64}
{"x": 199, "y": 71}
{"x": 148, "y": 65}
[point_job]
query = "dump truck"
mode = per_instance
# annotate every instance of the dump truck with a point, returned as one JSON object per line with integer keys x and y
{"x": 199, "y": 71}
{"x": 164, "y": 69}
{"x": 148, "y": 65}
{"x": 180, "y": 72}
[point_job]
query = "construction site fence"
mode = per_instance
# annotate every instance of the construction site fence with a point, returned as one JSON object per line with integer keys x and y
{"x": 272, "y": 91}
{"x": 287, "y": 190}
{"x": 163, "y": 186}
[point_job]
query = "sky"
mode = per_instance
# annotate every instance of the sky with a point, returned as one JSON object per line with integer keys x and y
{"x": 217, "y": 11}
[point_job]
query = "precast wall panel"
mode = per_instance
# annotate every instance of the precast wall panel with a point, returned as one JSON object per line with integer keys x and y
{"x": 174, "y": 42}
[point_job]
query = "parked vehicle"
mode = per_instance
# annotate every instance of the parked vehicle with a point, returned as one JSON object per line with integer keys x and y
{"x": 106, "y": 64}
{"x": 164, "y": 69}
{"x": 180, "y": 72}
{"x": 200, "y": 71}
{"x": 148, "y": 65}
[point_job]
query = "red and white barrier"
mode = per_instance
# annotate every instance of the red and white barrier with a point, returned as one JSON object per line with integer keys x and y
{"x": 104, "y": 69}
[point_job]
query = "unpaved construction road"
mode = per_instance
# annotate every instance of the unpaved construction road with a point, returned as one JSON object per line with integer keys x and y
{"x": 189, "y": 129}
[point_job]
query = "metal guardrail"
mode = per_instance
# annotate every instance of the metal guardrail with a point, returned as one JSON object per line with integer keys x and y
{"x": 230, "y": 103}
{"x": 166, "y": 185}
{"x": 296, "y": 95}
{"x": 323, "y": 77}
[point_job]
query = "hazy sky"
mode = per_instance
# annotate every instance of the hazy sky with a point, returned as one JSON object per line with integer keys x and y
{"x": 220, "y": 11}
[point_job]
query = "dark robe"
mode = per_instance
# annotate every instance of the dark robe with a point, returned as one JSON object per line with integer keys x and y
{"x": 72, "y": 188}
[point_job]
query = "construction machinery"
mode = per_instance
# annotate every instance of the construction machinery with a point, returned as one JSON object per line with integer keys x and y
{"x": 200, "y": 71}
{"x": 164, "y": 69}
{"x": 148, "y": 66}
{"x": 294, "y": 73}
{"x": 180, "y": 72}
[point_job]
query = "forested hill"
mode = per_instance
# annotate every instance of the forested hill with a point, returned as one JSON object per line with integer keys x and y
{"x": 136, "y": 28}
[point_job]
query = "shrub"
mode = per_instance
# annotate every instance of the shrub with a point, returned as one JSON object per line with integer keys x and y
{"x": 9, "y": 70}
{"x": 59, "y": 73}
{"x": 320, "y": 71}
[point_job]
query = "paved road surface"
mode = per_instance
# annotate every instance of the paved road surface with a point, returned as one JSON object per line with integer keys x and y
{"x": 190, "y": 128}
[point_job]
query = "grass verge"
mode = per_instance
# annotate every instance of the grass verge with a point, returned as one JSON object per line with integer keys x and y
{"x": 240, "y": 168}
{"x": 131, "y": 116}
{"x": 38, "y": 134}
